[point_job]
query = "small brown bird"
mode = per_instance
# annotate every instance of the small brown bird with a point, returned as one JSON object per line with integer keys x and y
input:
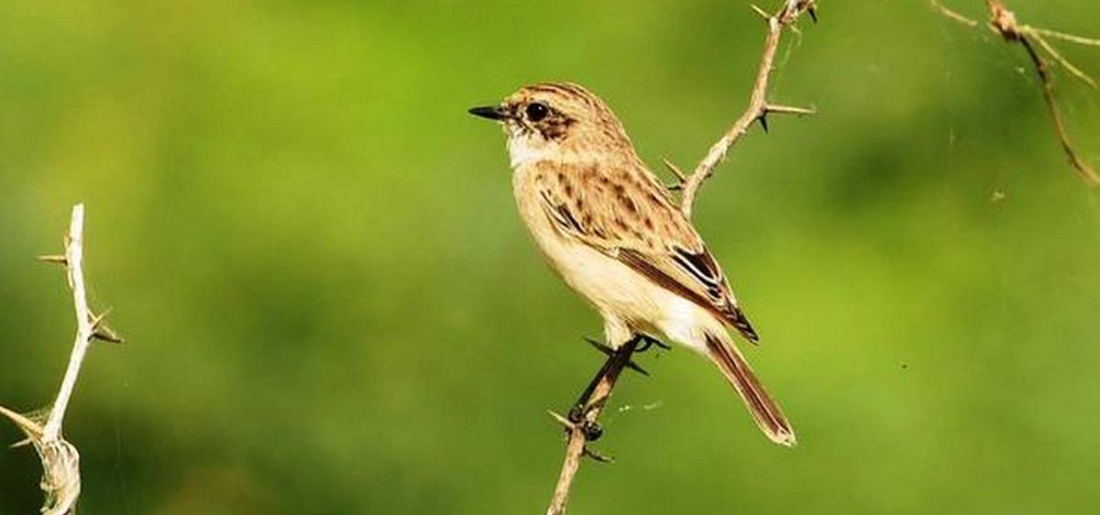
{"x": 614, "y": 233}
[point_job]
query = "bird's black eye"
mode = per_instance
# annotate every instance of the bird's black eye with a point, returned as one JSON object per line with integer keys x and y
{"x": 536, "y": 111}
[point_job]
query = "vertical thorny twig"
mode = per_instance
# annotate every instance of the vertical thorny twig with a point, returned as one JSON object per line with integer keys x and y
{"x": 60, "y": 459}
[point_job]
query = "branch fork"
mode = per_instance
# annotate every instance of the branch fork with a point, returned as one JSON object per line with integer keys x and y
{"x": 1004, "y": 23}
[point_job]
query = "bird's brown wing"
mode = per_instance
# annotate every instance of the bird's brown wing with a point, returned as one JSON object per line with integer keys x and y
{"x": 628, "y": 215}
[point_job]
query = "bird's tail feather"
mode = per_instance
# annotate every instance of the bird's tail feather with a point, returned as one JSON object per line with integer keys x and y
{"x": 763, "y": 409}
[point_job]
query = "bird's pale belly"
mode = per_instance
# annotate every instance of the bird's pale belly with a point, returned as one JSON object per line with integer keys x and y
{"x": 629, "y": 302}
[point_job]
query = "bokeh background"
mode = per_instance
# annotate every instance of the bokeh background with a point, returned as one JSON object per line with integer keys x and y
{"x": 331, "y": 306}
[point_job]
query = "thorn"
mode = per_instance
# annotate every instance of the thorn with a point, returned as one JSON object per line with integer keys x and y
{"x": 763, "y": 119}
{"x": 21, "y": 443}
{"x": 107, "y": 334}
{"x": 60, "y": 259}
{"x": 27, "y": 423}
{"x": 637, "y": 368}
{"x": 561, "y": 420}
{"x": 812, "y": 11}
{"x": 602, "y": 458}
{"x": 675, "y": 170}
{"x": 783, "y": 109}
{"x": 101, "y": 331}
{"x": 760, "y": 11}
{"x": 608, "y": 351}
{"x": 600, "y": 346}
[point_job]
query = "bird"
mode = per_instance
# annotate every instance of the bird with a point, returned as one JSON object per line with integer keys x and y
{"x": 613, "y": 231}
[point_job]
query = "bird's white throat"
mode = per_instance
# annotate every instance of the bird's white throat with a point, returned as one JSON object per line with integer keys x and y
{"x": 524, "y": 149}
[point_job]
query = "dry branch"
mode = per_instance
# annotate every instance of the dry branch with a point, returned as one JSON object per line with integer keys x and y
{"x": 1003, "y": 22}
{"x": 580, "y": 431}
{"x": 579, "y": 426}
{"x": 60, "y": 459}
{"x": 759, "y": 107}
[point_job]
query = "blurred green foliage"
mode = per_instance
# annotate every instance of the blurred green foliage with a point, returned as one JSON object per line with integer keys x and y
{"x": 331, "y": 306}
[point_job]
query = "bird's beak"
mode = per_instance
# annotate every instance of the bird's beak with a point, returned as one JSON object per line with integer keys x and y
{"x": 490, "y": 112}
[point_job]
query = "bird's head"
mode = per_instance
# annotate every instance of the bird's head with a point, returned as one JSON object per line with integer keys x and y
{"x": 557, "y": 121}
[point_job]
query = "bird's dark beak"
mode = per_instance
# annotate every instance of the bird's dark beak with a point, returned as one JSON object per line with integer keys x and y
{"x": 490, "y": 112}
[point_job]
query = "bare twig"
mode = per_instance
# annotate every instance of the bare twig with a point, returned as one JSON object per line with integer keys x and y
{"x": 593, "y": 402}
{"x": 1004, "y": 23}
{"x": 74, "y": 257}
{"x": 952, "y": 14}
{"x": 60, "y": 459}
{"x": 759, "y": 108}
{"x": 1066, "y": 37}
{"x": 1083, "y": 169}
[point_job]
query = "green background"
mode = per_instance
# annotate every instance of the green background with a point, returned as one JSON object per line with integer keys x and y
{"x": 332, "y": 307}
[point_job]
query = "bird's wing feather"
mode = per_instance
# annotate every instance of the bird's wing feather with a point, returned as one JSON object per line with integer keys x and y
{"x": 627, "y": 214}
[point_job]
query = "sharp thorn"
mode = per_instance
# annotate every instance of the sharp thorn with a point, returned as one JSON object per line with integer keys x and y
{"x": 675, "y": 170}
{"x": 763, "y": 121}
{"x": 608, "y": 351}
{"x": 600, "y": 346}
{"x": 21, "y": 443}
{"x": 784, "y": 109}
{"x": 760, "y": 11}
{"x": 562, "y": 420}
{"x": 54, "y": 258}
{"x": 107, "y": 334}
{"x": 101, "y": 331}
{"x": 659, "y": 343}
{"x": 602, "y": 458}
{"x": 812, "y": 11}
{"x": 97, "y": 319}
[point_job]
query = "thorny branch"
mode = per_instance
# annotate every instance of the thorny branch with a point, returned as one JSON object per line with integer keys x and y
{"x": 60, "y": 459}
{"x": 578, "y": 429}
{"x": 1003, "y": 22}
{"x": 759, "y": 106}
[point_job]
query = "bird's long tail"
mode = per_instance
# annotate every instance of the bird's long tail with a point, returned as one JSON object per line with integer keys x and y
{"x": 763, "y": 409}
